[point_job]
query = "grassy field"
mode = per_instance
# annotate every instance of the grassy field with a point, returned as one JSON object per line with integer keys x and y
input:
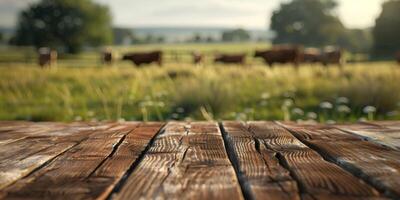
{"x": 80, "y": 88}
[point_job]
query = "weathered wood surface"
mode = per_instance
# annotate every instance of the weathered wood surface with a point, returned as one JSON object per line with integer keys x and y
{"x": 375, "y": 164}
{"x": 187, "y": 161}
{"x": 199, "y": 160}
{"x": 383, "y": 133}
{"x": 326, "y": 180}
{"x": 87, "y": 169}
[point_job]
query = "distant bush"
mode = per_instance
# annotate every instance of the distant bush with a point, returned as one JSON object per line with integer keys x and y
{"x": 387, "y": 30}
{"x": 66, "y": 24}
{"x": 236, "y": 35}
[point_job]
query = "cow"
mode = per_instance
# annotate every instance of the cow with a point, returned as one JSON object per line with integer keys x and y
{"x": 197, "y": 58}
{"x": 398, "y": 57}
{"x": 107, "y": 57}
{"x": 144, "y": 58}
{"x": 311, "y": 55}
{"x": 231, "y": 59}
{"x": 280, "y": 54}
{"x": 332, "y": 55}
{"x": 47, "y": 57}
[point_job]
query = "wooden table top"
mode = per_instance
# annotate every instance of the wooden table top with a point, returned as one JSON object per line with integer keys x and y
{"x": 199, "y": 160}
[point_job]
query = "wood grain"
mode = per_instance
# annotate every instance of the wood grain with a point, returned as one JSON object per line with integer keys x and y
{"x": 386, "y": 136}
{"x": 85, "y": 171}
{"x": 377, "y": 165}
{"x": 258, "y": 167}
{"x": 387, "y": 124}
{"x": 21, "y": 157}
{"x": 315, "y": 176}
{"x": 187, "y": 161}
{"x": 194, "y": 160}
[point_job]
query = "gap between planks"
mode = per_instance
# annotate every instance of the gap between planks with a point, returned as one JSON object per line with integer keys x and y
{"x": 281, "y": 149}
{"x": 133, "y": 167}
{"x": 329, "y": 143}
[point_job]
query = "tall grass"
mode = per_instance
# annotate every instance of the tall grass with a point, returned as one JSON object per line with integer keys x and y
{"x": 212, "y": 92}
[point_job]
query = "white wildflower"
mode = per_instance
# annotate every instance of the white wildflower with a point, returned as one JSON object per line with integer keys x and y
{"x": 343, "y": 109}
{"x": 312, "y": 115}
{"x": 330, "y": 122}
{"x": 298, "y": 111}
{"x": 342, "y": 100}
{"x": 288, "y": 103}
{"x": 326, "y": 105}
{"x": 369, "y": 109}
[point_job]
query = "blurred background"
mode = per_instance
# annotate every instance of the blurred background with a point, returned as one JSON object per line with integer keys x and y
{"x": 328, "y": 61}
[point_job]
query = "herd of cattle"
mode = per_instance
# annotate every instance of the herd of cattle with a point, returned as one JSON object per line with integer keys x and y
{"x": 277, "y": 54}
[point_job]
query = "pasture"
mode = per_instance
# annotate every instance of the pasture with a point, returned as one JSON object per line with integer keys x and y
{"x": 81, "y": 88}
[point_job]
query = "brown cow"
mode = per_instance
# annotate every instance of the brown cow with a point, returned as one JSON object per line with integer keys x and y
{"x": 398, "y": 57}
{"x": 332, "y": 55}
{"x": 144, "y": 58}
{"x": 311, "y": 55}
{"x": 107, "y": 57}
{"x": 197, "y": 58}
{"x": 280, "y": 54}
{"x": 231, "y": 59}
{"x": 47, "y": 57}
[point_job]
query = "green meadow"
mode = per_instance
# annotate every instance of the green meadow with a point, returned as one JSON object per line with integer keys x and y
{"x": 81, "y": 88}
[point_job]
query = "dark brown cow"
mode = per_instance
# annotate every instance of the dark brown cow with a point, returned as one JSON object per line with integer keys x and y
{"x": 280, "y": 54}
{"x": 47, "y": 57}
{"x": 332, "y": 55}
{"x": 398, "y": 57}
{"x": 197, "y": 58}
{"x": 107, "y": 57}
{"x": 311, "y": 55}
{"x": 144, "y": 58}
{"x": 231, "y": 59}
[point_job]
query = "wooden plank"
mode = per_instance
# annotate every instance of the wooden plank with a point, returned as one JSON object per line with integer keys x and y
{"x": 118, "y": 164}
{"x": 87, "y": 170}
{"x": 377, "y": 165}
{"x": 258, "y": 166}
{"x": 382, "y": 135}
{"x": 21, "y": 157}
{"x": 19, "y": 130}
{"x": 10, "y": 132}
{"x": 316, "y": 177}
{"x": 35, "y": 138}
{"x": 187, "y": 161}
{"x": 387, "y": 124}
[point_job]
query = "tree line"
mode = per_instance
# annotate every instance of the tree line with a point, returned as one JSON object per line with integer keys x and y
{"x": 314, "y": 23}
{"x": 74, "y": 24}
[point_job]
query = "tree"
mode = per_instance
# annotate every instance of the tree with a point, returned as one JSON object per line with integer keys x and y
{"x": 237, "y": 35}
{"x": 1, "y": 38}
{"x": 70, "y": 24}
{"x": 386, "y": 33}
{"x": 307, "y": 22}
{"x": 124, "y": 36}
{"x": 358, "y": 40}
{"x": 197, "y": 38}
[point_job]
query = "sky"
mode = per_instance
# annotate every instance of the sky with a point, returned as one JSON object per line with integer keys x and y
{"x": 219, "y": 13}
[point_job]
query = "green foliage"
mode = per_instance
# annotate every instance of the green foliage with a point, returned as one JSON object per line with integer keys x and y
{"x": 308, "y": 22}
{"x": 237, "y": 35}
{"x": 1, "y": 38}
{"x": 124, "y": 36}
{"x": 151, "y": 39}
{"x": 387, "y": 29}
{"x": 69, "y": 24}
{"x": 358, "y": 40}
{"x": 199, "y": 38}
